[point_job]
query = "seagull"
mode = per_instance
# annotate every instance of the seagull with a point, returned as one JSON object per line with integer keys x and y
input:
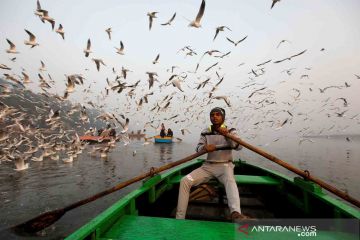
{"x": 3, "y": 66}
{"x": 357, "y": 76}
{"x": 282, "y": 41}
{"x": 183, "y": 131}
{"x": 26, "y": 78}
{"x": 12, "y": 48}
{"x": 108, "y": 30}
{"x": 220, "y": 29}
{"x": 98, "y": 62}
{"x": 32, "y": 40}
{"x": 151, "y": 78}
{"x": 60, "y": 31}
{"x": 273, "y": 3}
{"x": 42, "y": 68}
{"x": 151, "y": 16}
{"x": 176, "y": 83}
{"x": 20, "y": 164}
{"x": 169, "y": 22}
{"x": 45, "y": 16}
{"x": 225, "y": 98}
{"x": 156, "y": 59}
{"x": 121, "y": 49}
{"x": 236, "y": 43}
{"x": 87, "y": 50}
{"x": 125, "y": 126}
{"x": 196, "y": 22}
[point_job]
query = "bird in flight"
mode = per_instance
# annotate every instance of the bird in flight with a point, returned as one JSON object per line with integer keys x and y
{"x": 273, "y": 3}
{"x": 220, "y": 29}
{"x": 151, "y": 15}
{"x": 196, "y": 22}
{"x": 108, "y": 31}
{"x": 236, "y": 43}
{"x": 169, "y": 22}
{"x": 87, "y": 49}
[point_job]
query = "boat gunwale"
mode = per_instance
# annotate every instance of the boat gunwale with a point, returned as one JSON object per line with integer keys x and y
{"x": 94, "y": 226}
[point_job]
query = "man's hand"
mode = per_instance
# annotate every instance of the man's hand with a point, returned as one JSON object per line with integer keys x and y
{"x": 222, "y": 130}
{"x": 210, "y": 147}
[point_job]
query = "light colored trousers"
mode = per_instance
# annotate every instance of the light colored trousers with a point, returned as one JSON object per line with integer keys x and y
{"x": 224, "y": 172}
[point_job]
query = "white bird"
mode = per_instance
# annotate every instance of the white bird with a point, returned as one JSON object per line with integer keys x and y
{"x": 42, "y": 68}
{"x": 60, "y": 31}
{"x": 220, "y": 29}
{"x": 156, "y": 59}
{"x": 196, "y": 22}
{"x": 26, "y": 78}
{"x": 108, "y": 31}
{"x": 45, "y": 16}
{"x": 98, "y": 62}
{"x": 273, "y": 3}
{"x": 176, "y": 83}
{"x": 87, "y": 49}
{"x": 20, "y": 164}
{"x": 12, "y": 48}
{"x": 121, "y": 49}
{"x": 169, "y": 22}
{"x": 151, "y": 15}
{"x": 32, "y": 39}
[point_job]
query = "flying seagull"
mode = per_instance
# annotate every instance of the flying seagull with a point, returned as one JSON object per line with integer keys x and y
{"x": 12, "y": 48}
{"x": 151, "y": 15}
{"x": 32, "y": 40}
{"x": 220, "y": 29}
{"x": 196, "y": 22}
{"x": 87, "y": 49}
{"x": 169, "y": 22}
{"x": 121, "y": 49}
{"x": 60, "y": 31}
{"x": 273, "y": 3}
{"x": 108, "y": 31}
{"x": 236, "y": 43}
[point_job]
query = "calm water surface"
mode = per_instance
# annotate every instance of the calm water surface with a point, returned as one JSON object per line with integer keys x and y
{"x": 53, "y": 184}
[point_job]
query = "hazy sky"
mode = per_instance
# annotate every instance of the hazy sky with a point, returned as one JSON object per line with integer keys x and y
{"x": 312, "y": 25}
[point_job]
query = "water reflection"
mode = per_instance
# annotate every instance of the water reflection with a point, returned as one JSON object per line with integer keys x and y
{"x": 165, "y": 151}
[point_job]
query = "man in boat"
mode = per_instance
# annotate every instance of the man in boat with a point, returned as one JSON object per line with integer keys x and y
{"x": 106, "y": 132}
{"x": 162, "y": 131}
{"x": 218, "y": 164}
{"x": 169, "y": 133}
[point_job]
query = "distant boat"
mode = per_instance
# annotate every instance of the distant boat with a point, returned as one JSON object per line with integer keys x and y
{"x": 148, "y": 212}
{"x": 94, "y": 139}
{"x": 159, "y": 139}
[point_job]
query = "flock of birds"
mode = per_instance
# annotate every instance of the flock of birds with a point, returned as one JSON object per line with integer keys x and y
{"x": 30, "y": 135}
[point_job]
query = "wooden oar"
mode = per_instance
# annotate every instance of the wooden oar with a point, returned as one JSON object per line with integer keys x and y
{"x": 304, "y": 174}
{"x": 46, "y": 219}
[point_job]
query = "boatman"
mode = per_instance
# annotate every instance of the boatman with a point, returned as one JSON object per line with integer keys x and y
{"x": 217, "y": 165}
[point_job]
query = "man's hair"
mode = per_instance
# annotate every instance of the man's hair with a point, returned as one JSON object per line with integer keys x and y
{"x": 219, "y": 110}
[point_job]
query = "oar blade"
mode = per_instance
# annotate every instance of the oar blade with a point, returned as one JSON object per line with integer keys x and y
{"x": 40, "y": 222}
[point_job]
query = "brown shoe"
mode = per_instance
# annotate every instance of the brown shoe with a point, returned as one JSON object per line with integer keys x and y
{"x": 236, "y": 217}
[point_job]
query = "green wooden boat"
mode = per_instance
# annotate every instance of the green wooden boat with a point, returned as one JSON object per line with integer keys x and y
{"x": 148, "y": 212}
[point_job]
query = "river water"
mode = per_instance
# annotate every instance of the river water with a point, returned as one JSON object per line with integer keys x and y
{"x": 51, "y": 184}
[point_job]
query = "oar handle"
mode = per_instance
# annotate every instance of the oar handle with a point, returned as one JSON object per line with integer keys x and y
{"x": 304, "y": 174}
{"x": 133, "y": 180}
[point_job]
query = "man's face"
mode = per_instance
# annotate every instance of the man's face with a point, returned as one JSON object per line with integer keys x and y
{"x": 216, "y": 118}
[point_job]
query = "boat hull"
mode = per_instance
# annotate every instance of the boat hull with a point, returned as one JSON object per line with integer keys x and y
{"x": 94, "y": 139}
{"x": 159, "y": 139}
{"x": 264, "y": 194}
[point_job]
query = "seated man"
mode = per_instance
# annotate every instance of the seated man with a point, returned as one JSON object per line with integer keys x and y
{"x": 169, "y": 133}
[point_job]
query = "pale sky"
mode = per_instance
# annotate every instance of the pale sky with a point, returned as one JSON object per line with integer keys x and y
{"x": 306, "y": 24}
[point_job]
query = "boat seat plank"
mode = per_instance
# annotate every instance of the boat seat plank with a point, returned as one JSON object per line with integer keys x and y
{"x": 243, "y": 179}
{"x": 141, "y": 227}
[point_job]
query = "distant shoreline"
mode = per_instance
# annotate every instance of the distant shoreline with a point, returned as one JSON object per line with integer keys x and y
{"x": 333, "y": 136}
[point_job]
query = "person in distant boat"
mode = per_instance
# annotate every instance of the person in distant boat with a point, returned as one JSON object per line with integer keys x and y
{"x": 162, "y": 131}
{"x": 112, "y": 132}
{"x": 90, "y": 132}
{"x": 217, "y": 165}
{"x": 169, "y": 133}
{"x": 106, "y": 132}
